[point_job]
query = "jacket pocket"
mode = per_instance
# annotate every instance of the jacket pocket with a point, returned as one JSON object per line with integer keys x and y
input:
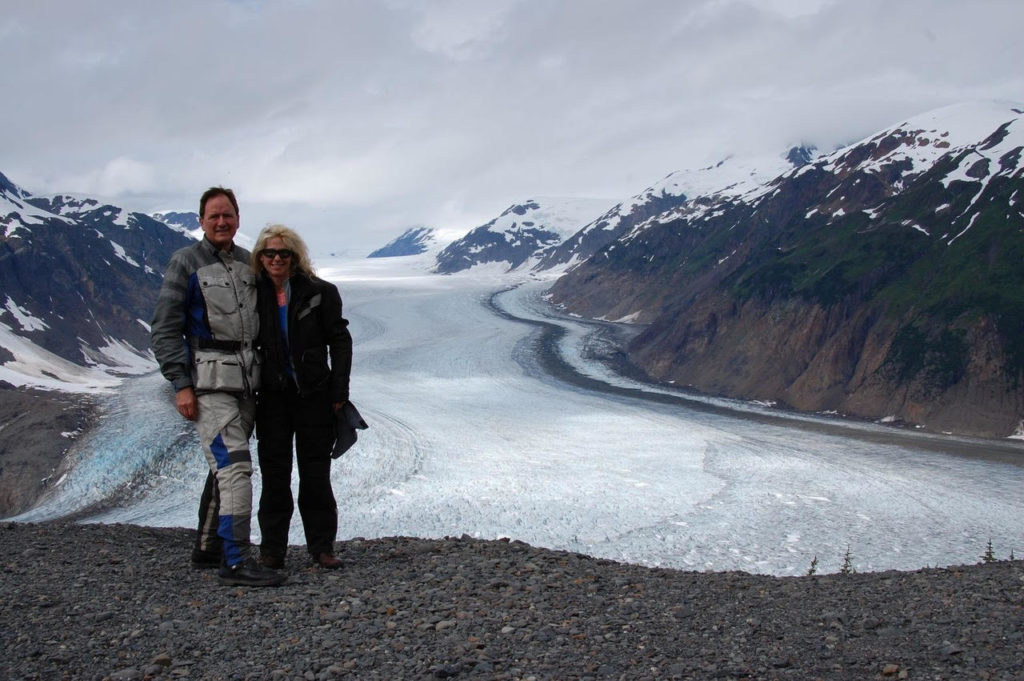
{"x": 218, "y": 292}
{"x": 218, "y": 371}
{"x": 314, "y": 369}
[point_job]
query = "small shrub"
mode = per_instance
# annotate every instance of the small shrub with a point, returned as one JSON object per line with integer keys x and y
{"x": 847, "y": 568}
{"x": 989, "y": 556}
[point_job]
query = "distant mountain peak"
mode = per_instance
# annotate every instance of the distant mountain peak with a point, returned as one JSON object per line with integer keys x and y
{"x": 186, "y": 222}
{"x": 8, "y": 187}
{"x": 799, "y": 155}
{"x": 522, "y": 233}
{"x": 413, "y": 241}
{"x": 521, "y": 208}
{"x": 689, "y": 191}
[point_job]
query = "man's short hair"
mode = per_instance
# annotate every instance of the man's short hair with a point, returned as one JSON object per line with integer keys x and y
{"x": 217, "y": 191}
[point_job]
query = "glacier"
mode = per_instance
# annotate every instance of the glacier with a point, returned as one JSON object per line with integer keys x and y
{"x": 471, "y": 433}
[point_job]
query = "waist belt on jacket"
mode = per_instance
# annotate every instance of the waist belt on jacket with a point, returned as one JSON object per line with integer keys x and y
{"x": 214, "y": 344}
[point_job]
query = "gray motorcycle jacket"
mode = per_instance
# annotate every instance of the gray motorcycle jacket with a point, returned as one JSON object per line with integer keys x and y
{"x": 206, "y": 322}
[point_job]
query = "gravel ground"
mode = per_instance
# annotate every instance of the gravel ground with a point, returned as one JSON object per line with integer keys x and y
{"x": 121, "y": 602}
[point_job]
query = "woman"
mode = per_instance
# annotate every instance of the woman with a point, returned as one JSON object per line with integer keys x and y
{"x": 300, "y": 328}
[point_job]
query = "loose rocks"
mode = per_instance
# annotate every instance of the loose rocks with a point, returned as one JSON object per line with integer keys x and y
{"x": 121, "y": 602}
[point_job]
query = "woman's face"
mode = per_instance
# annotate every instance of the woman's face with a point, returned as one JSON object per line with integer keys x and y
{"x": 277, "y": 266}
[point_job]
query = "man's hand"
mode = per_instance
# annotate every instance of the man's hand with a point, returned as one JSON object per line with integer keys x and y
{"x": 187, "y": 404}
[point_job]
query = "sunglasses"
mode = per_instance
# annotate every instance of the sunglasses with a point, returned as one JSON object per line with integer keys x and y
{"x": 271, "y": 253}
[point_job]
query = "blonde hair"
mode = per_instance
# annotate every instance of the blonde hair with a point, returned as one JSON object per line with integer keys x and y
{"x": 292, "y": 241}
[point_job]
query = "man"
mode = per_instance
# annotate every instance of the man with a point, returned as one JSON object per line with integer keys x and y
{"x": 202, "y": 334}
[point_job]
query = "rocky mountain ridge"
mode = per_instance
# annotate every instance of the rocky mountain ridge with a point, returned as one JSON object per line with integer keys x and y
{"x": 880, "y": 281}
{"x": 79, "y": 280}
{"x": 552, "y": 233}
{"x": 681, "y": 190}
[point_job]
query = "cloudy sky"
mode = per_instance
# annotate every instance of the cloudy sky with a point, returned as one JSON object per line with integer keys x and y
{"x": 352, "y": 120}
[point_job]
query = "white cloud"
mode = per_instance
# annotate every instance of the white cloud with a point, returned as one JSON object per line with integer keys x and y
{"x": 370, "y": 117}
{"x": 117, "y": 177}
{"x": 460, "y": 29}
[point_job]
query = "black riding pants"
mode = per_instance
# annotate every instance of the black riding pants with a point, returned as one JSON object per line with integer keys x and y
{"x": 282, "y": 416}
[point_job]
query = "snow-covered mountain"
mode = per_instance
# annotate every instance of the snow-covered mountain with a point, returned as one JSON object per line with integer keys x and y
{"x": 881, "y": 280}
{"x": 523, "y": 233}
{"x": 78, "y": 280}
{"x": 678, "y": 193}
{"x": 413, "y": 241}
{"x": 186, "y": 222}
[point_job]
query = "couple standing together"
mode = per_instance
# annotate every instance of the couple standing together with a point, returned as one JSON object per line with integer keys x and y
{"x": 255, "y": 338}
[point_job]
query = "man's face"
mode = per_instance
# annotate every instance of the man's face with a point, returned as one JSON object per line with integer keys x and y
{"x": 219, "y": 221}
